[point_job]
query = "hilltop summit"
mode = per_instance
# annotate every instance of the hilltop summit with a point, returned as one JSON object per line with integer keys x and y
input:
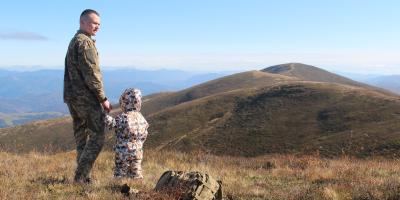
{"x": 309, "y": 73}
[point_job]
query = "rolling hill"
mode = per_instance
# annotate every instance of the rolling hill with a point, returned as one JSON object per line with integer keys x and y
{"x": 250, "y": 79}
{"x": 292, "y": 108}
{"x": 300, "y": 117}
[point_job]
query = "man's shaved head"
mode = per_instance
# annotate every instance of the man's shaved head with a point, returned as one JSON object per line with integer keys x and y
{"x": 87, "y": 12}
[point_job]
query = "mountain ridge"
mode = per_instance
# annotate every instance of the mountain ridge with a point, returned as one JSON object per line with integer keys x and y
{"x": 258, "y": 112}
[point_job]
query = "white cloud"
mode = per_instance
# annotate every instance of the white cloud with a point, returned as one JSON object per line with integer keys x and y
{"x": 21, "y": 36}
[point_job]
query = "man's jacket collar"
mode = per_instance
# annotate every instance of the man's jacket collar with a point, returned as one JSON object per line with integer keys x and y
{"x": 89, "y": 36}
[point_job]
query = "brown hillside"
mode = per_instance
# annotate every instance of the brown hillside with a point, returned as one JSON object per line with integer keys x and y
{"x": 277, "y": 110}
{"x": 300, "y": 117}
{"x": 249, "y": 79}
{"x": 46, "y": 135}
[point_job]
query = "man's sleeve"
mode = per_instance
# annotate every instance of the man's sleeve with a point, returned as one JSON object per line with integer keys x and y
{"x": 89, "y": 66}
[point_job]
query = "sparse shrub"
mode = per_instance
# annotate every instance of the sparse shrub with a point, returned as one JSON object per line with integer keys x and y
{"x": 268, "y": 165}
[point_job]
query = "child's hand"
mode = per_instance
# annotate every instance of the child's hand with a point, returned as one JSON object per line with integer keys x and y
{"x": 109, "y": 121}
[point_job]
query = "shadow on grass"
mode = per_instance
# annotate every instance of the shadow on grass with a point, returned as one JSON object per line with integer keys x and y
{"x": 50, "y": 180}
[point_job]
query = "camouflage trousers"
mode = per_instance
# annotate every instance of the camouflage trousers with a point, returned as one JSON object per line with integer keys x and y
{"x": 89, "y": 133}
{"x": 128, "y": 164}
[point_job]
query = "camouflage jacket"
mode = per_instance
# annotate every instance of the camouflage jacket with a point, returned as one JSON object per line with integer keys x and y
{"x": 82, "y": 77}
{"x": 130, "y": 129}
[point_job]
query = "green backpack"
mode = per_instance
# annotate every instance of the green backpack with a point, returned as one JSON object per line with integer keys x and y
{"x": 190, "y": 185}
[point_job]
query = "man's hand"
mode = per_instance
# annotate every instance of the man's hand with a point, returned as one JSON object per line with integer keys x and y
{"x": 107, "y": 106}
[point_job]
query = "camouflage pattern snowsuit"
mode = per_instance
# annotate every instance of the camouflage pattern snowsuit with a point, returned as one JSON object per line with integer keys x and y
{"x": 131, "y": 132}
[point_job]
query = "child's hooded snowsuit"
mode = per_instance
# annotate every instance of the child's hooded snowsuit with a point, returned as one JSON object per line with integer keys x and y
{"x": 131, "y": 132}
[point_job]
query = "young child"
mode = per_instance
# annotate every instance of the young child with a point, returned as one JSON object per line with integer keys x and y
{"x": 131, "y": 132}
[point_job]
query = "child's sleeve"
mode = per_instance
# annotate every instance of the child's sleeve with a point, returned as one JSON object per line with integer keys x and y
{"x": 145, "y": 132}
{"x": 110, "y": 122}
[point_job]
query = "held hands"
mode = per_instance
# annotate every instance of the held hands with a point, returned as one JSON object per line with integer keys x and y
{"x": 107, "y": 106}
{"x": 109, "y": 122}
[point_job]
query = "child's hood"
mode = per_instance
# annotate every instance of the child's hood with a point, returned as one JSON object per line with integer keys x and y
{"x": 131, "y": 100}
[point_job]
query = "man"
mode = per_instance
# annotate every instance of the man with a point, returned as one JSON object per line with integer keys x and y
{"x": 84, "y": 94}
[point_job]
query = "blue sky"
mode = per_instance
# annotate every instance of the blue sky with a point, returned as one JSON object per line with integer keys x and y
{"x": 361, "y": 36}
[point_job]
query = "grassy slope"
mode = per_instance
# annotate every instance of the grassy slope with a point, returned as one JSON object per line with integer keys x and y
{"x": 250, "y": 114}
{"x": 243, "y": 80}
{"x": 298, "y": 117}
{"x": 57, "y": 134}
{"x": 46, "y": 135}
{"x": 273, "y": 177}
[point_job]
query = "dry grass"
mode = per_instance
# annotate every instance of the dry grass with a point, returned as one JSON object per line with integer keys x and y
{"x": 41, "y": 176}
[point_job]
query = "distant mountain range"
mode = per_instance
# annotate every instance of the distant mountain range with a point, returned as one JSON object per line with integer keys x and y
{"x": 32, "y": 95}
{"x": 288, "y": 108}
{"x": 391, "y": 82}
{"x": 388, "y": 82}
